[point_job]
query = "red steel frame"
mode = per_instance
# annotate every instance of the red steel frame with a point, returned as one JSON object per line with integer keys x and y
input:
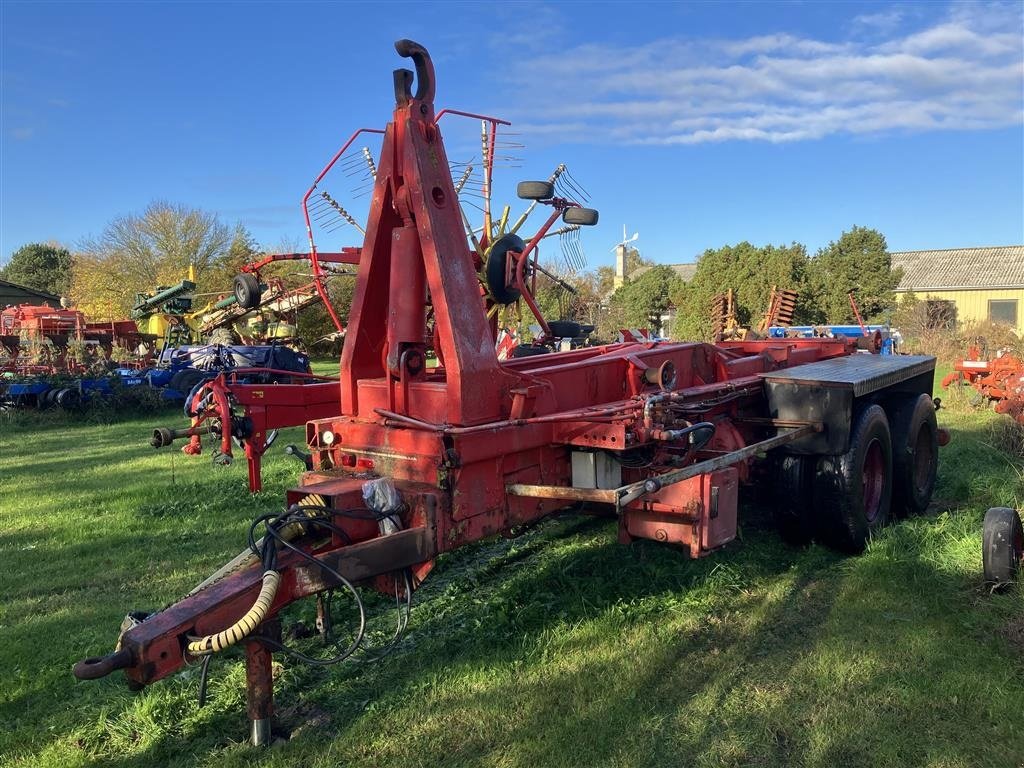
{"x": 477, "y": 446}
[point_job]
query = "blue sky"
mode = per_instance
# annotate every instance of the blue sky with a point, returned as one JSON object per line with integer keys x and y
{"x": 696, "y": 125}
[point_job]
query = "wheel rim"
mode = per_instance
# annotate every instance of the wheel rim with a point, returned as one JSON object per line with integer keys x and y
{"x": 873, "y": 480}
{"x": 924, "y": 456}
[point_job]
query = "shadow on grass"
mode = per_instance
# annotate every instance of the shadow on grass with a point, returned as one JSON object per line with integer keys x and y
{"x": 563, "y": 648}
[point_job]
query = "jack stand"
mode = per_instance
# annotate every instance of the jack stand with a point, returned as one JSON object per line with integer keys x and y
{"x": 259, "y": 686}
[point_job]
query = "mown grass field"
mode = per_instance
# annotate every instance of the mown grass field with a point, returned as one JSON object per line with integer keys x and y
{"x": 560, "y": 647}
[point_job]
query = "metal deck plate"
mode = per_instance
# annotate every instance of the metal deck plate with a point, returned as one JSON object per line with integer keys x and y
{"x": 861, "y": 373}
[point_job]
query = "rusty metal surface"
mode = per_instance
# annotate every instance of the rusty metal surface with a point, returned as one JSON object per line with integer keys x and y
{"x": 632, "y": 491}
{"x": 259, "y": 681}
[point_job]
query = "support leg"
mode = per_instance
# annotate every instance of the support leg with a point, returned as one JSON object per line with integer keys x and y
{"x": 255, "y": 459}
{"x": 259, "y": 681}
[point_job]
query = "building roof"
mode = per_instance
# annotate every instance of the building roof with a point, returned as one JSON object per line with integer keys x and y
{"x": 961, "y": 268}
{"x": 685, "y": 271}
{"x": 24, "y": 293}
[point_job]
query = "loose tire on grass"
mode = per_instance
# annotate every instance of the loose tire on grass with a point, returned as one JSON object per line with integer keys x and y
{"x": 793, "y": 500}
{"x": 915, "y": 454}
{"x": 853, "y": 492}
{"x": 1002, "y": 545}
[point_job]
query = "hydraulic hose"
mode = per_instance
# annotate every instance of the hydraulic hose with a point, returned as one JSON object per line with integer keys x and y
{"x": 245, "y": 625}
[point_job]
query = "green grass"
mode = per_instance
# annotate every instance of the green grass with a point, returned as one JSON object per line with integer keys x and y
{"x": 559, "y": 647}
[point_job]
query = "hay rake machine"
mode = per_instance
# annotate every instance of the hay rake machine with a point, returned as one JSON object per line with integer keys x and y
{"x": 417, "y": 461}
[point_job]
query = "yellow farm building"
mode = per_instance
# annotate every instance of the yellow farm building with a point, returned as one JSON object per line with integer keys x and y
{"x": 967, "y": 284}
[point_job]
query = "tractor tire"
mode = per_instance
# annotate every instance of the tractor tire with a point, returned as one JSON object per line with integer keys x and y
{"x": 535, "y": 190}
{"x": 915, "y": 454}
{"x": 224, "y": 336}
{"x": 583, "y": 217}
{"x": 247, "y": 290}
{"x": 565, "y": 329}
{"x": 793, "y": 500}
{"x": 68, "y": 399}
{"x": 185, "y": 380}
{"x": 853, "y": 491}
{"x": 495, "y": 269}
{"x": 529, "y": 350}
{"x": 1002, "y": 545}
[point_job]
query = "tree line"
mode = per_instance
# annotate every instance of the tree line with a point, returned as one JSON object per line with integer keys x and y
{"x": 138, "y": 252}
{"x": 858, "y": 262}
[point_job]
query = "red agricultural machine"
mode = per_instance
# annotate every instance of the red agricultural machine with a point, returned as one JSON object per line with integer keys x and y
{"x": 415, "y": 460}
{"x": 1000, "y": 380}
{"x": 44, "y": 340}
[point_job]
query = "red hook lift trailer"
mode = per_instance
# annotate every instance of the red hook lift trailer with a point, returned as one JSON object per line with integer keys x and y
{"x": 417, "y": 461}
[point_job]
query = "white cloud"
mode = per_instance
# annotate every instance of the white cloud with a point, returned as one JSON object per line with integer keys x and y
{"x": 883, "y": 21}
{"x": 964, "y": 71}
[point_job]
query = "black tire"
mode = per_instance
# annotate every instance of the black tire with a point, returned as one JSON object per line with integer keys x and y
{"x": 584, "y": 217}
{"x": 793, "y": 500}
{"x": 853, "y": 491}
{"x": 565, "y": 329}
{"x": 1002, "y": 545}
{"x": 915, "y": 454}
{"x": 247, "y": 291}
{"x": 535, "y": 190}
{"x": 185, "y": 380}
{"x": 495, "y": 269}
{"x": 529, "y": 350}
{"x": 68, "y": 399}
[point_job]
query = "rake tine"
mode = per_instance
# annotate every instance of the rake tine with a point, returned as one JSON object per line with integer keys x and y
{"x": 369, "y": 162}
{"x": 462, "y": 181}
{"x": 341, "y": 211}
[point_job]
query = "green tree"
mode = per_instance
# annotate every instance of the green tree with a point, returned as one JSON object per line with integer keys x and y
{"x": 42, "y": 266}
{"x": 316, "y": 329}
{"x": 138, "y": 252}
{"x": 858, "y": 261}
{"x": 750, "y": 271}
{"x": 641, "y": 302}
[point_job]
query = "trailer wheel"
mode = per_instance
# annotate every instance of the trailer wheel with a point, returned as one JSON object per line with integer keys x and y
{"x": 853, "y": 492}
{"x": 495, "y": 269}
{"x": 793, "y": 502}
{"x": 1002, "y": 545}
{"x": 915, "y": 454}
{"x": 247, "y": 290}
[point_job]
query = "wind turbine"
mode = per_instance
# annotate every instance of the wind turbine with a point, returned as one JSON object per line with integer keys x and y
{"x": 626, "y": 241}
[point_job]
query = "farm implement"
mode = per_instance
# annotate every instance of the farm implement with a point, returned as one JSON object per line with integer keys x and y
{"x": 414, "y": 461}
{"x": 1000, "y": 380}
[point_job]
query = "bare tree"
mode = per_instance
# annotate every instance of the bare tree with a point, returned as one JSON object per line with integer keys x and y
{"x": 138, "y": 252}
